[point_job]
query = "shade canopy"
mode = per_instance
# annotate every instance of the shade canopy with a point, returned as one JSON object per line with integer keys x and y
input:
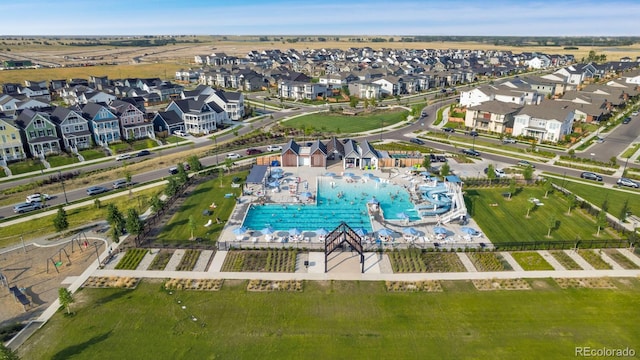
{"x": 403, "y": 216}
{"x": 322, "y": 231}
{"x": 331, "y": 174}
{"x": 410, "y": 231}
{"x": 268, "y": 230}
{"x": 439, "y": 230}
{"x": 306, "y": 194}
{"x": 274, "y": 183}
{"x": 295, "y": 231}
{"x": 360, "y": 231}
{"x": 385, "y": 232}
{"x": 348, "y": 174}
{"x": 469, "y": 230}
{"x": 277, "y": 175}
{"x": 239, "y": 231}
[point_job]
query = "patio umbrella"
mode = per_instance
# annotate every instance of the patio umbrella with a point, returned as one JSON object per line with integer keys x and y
{"x": 469, "y": 230}
{"x": 306, "y": 194}
{"x": 276, "y": 170}
{"x": 373, "y": 200}
{"x": 369, "y": 175}
{"x": 425, "y": 173}
{"x": 439, "y": 230}
{"x": 385, "y": 232}
{"x": 239, "y": 231}
{"x": 331, "y": 174}
{"x": 295, "y": 231}
{"x": 361, "y": 231}
{"x": 267, "y": 231}
{"x": 403, "y": 216}
{"x": 410, "y": 231}
{"x": 274, "y": 183}
{"x": 277, "y": 175}
{"x": 348, "y": 174}
{"x": 322, "y": 232}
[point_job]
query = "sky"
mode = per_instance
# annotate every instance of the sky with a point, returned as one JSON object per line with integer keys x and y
{"x": 326, "y": 17}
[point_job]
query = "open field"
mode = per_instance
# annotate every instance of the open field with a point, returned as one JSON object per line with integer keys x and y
{"x": 489, "y": 207}
{"x": 460, "y": 322}
{"x": 338, "y": 124}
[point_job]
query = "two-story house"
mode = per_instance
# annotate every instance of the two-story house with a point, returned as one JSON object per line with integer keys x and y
{"x": 133, "y": 124}
{"x": 301, "y": 90}
{"x": 72, "y": 127}
{"x": 549, "y": 121}
{"x": 104, "y": 125}
{"x": 39, "y": 132}
{"x": 231, "y": 102}
{"x": 11, "y": 147}
{"x": 493, "y": 116}
{"x": 199, "y": 116}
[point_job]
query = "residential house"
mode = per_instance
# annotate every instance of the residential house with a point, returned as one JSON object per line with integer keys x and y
{"x": 365, "y": 90}
{"x": 199, "y": 116}
{"x": 104, "y": 125}
{"x": 301, "y": 90}
{"x": 390, "y": 85}
{"x": 72, "y": 127}
{"x": 550, "y": 121}
{"x": 133, "y": 124}
{"x": 493, "y": 116}
{"x": 230, "y": 101}
{"x": 167, "y": 122}
{"x": 360, "y": 156}
{"x": 40, "y": 133}
{"x": 11, "y": 147}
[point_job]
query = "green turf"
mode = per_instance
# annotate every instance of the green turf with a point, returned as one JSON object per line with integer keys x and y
{"x": 177, "y": 229}
{"x": 504, "y": 220}
{"x": 60, "y": 160}
{"x": 531, "y": 260}
{"x": 25, "y": 166}
{"x": 92, "y": 154}
{"x": 335, "y": 123}
{"x": 339, "y": 320}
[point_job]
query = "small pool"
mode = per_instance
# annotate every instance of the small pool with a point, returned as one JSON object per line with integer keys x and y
{"x": 337, "y": 200}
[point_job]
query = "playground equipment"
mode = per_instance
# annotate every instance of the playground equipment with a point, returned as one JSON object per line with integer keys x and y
{"x": 58, "y": 262}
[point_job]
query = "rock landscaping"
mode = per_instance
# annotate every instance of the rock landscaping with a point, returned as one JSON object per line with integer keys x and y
{"x": 590, "y": 283}
{"x": 275, "y": 285}
{"x": 111, "y": 282}
{"x": 501, "y": 284}
{"x": 194, "y": 284}
{"x": 413, "y": 286}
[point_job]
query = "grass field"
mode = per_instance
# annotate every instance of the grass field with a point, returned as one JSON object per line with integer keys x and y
{"x": 531, "y": 261}
{"x": 346, "y": 124}
{"x": 177, "y": 229}
{"x": 92, "y": 154}
{"x": 340, "y": 320}
{"x": 489, "y": 209}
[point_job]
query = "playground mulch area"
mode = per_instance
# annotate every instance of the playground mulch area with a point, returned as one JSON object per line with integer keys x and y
{"x": 28, "y": 272}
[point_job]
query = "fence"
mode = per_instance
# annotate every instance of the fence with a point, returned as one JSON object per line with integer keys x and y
{"x": 563, "y": 245}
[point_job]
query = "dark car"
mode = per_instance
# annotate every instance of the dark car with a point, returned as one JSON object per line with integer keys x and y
{"x": 591, "y": 176}
{"x": 626, "y": 120}
{"x": 143, "y": 153}
{"x": 254, "y": 151}
{"x": 417, "y": 141}
{"x": 473, "y": 133}
{"x": 627, "y": 182}
{"x": 470, "y": 152}
{"x": 441, "y": 158}
{"x": 95, "y": 190}
{"x": 448, "y": 129}
{"x": 433, "y": 158}
{"x": 525, "y": 163}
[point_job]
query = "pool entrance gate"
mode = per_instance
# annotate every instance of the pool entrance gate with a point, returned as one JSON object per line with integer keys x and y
{"x": 339, "y": 236}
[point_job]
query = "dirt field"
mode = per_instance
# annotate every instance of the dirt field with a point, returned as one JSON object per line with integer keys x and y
{"x": 28, "y": 271}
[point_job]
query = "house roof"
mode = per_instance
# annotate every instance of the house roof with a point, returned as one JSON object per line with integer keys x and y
{"x": 334, "y": 145}
{"x": 547, "y": 110}
{"x": 293, "y": 146}
{"x": 318, "y": 145}
{"x": 496, "y": 107}
{"x": 170, "y": 117}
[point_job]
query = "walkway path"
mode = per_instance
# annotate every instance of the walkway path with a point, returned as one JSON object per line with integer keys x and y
{"x": 629, "y": 255}
{"x": 467, "y": 262}
{"x": 551, "y": 260}
{"x": 514, "y": 264}
{"x": 579, "y": 260}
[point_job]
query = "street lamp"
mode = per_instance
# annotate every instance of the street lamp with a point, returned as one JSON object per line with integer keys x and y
{"x": 625, "y": 166}
{"x": 63, "y": 189}
{"x": 215, "y": 140}
{"x": 473, "y": 145}
{"x": 381, "y": 126}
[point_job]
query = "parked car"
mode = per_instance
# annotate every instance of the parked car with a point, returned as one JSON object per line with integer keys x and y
{"x": 473, "y": 133}
{"x": 118, "y": 184}
{"x": 441, "y": 158}
{"x": 143, "y": 153}
{"x": 599, "y": 140}
{"x": 274, "y": 148}
{"x": 591, "y": 176}
{"x": 627, "y": 182}
{"x": 417, "y": 141}
{"x": 448, "y": 129}
{"x": 499, "y": 173}
{"x": 635, "y": 113}
{"x": 525, "y": 163}
{"x": 254, "y": 151}
{"x": 626, "y": 120}
{"x": 37, "y": 197}
{"x": 179, "y": 133}
{"x": 26, "y": 207}
{"x": 95, "y": 190}
{"x": 233, "y": 156}
{"x": 173, "y": 170}
{"x": 424, "y": 114}
{"x": 508, "y": 141}
{"x": 123, "y": 157}
{"x": 470, "y": 152}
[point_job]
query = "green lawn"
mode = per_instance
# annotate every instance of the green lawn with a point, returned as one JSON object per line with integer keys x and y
{"x": 504, "y": 220}
{"x": 531, "y": 260}
{"x": 597, "y": 194}
{"x": 339, "y": 320}
{"x": 177, "y": 229}
{"x": 91, "y": 154}
{"x": 346, "y": 124}
{"x": 25, "y": 166}
{"x": 60, "y": 160}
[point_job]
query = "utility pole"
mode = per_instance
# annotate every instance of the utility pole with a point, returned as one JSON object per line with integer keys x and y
{"x": 63, "y": 189}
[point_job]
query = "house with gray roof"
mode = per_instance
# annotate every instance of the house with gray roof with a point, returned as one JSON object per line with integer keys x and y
{"x": 492, "y": 116}
{"x": 39, "y": 132}
{"x": 104, "y": 125}
{"x": 73, "y": 128}
{"x": 199, "y": 116}
{"x": 550, "y": 121}
{"x": 360, "y": 156}
{"x": 167, "y": 122}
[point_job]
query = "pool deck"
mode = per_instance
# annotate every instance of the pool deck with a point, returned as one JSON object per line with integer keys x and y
{"x": 304, "y": 179}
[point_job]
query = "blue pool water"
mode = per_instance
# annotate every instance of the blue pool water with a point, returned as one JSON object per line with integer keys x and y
{"x": 337, "y": 202}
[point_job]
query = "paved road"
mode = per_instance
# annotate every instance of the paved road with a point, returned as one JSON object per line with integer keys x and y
{"x": 616, "y": 141}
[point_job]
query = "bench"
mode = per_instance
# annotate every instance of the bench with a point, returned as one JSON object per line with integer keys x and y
{"x": 20, "y": 297}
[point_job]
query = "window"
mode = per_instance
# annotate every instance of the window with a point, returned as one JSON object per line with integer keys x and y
{"x": 13, "y": 136}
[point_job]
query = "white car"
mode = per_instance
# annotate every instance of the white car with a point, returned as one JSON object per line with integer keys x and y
{"x": 179, "y": 133}
{"x": 274, "y": 148}
{"x": 233, "y": 156}
{"x": 37, "y": 197}
{"x": 123, "y": 157}
{"x": 499, "y": 173}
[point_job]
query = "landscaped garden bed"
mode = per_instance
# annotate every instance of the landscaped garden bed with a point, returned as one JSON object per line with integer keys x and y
{"x": 413, "y": 286}
{"x": 131, "y": 259}
{"x": 407, "y": 261}
{"x": 442, "y": 262}
{"x": 591, "y": 283}
{"x": 501, "y": 284}
{"x": 189, "y": 260}
{"x": 161, "y": 260}
{"x": 565, "y": 260}
{"x": 622, "y": 260}
{"x": 594, "y": 259}
{"x": 275, "y": 285}
{"x": 111, "y": 282}
{"x": 194, "y": 284}
{"x": 488, "y": 261}
{"x": 531, "y": 260}
{"x": 275, "y": 260}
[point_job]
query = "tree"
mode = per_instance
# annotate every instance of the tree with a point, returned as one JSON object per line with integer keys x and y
{"x": 548, "y": 187}
{"x": 527, "y": 173}
{"x": 512, "y": 187}
{"x": 353, "y": 101}
{"x": 491, "y": 173}
{"x": 426, "y": 163}
{"x": 605, "y": 205}
{"x": 220, "y": 175}
{"x": 445, "y": 169}
{"x": 228, "y": 163}
{"x": 7, "y": 354}
{"x": 601, "y": 221}
{"x": 194, "y": 162}
{"x": 156, "y": 203}
{"x": 60, "y": 222}
{"x": 66, "y": 298}
{"x": 97, "y": 203}
{"x": 128, "y": 177}
{"x": 182, "y": 174}
{"x": 192, "y": 225}
{"x": 551, "y": 224}
{"x": 571, "y": 201}
{"x": 116, "y": 220}
{"x": 133, "y": 223}
{"x": 624, "y": 211}
{"x": 532, "y": 206}
{"x": 172, "y": 186}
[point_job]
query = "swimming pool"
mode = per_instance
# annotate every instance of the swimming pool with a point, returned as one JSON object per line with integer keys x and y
{"x": 337, "y": 200}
